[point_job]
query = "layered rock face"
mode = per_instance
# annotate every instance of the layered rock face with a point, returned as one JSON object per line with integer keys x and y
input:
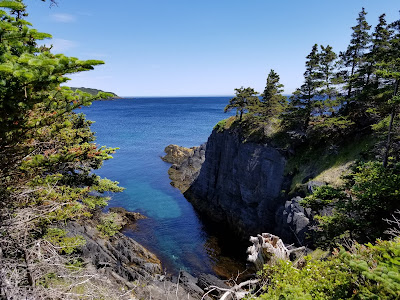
{"x": 239, "y": 183}
{"x": 118, "y": 255}
{"x": 186, "y": 164}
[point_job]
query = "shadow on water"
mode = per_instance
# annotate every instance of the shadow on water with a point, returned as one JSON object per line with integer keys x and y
{"x": 222, "y": 253}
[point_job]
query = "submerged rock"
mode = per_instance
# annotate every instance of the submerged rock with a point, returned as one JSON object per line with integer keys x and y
{"x": 126, "y": 218}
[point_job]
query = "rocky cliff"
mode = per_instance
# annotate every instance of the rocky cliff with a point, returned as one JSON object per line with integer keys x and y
{"x": 239, "y": 183}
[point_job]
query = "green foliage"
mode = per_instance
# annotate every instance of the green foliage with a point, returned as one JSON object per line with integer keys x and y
{"x": 352, "y": 58}
{"x": 303, "y": 101}
{"x": 273, "y": 102}
{"x": 316, "y": 280}
{"x": 63, "y": 243}
{"x": 328, "y": 93}
{"x": 108, "y": 225}
{"x": 220, "y": 126}
{"x": 370, "y": 194}
{"x": 376, "y": 268}
{"x": 243, "y": 101}
{"x": 365, "y": 272}
{"x": 330, "y": 129}
{"x": 94, "y": 92}
{"x": 322, "y": 197}
{"x": 47, "y": 150}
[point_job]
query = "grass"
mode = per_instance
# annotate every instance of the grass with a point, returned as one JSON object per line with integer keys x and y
{"x": 312, "y": 161}
{"x": 324, "y": 163}
{"x": 252, "y": 129}
{"x": 224, "y": 124}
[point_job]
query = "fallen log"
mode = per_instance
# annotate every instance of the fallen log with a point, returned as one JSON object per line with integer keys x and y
{"x": 267, "y": 249}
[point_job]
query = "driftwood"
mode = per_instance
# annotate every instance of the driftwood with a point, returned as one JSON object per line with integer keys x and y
{"x": 268, "y": 248}
{"x": 234, "y": 292}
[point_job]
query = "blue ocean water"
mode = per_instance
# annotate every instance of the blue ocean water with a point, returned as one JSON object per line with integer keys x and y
{"x": 142, "y": 128}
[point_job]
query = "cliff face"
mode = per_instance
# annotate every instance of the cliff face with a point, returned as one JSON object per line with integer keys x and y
{"x": 239, "y": 183}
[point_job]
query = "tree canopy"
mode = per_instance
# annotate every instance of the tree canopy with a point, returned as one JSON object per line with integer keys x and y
{"x": 245, "y": 99}
{"x": 47, "y": 155}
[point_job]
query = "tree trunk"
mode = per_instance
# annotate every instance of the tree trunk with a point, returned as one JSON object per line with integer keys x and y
{"x": 389, "y": 136}
{"x": 268, "y": 248}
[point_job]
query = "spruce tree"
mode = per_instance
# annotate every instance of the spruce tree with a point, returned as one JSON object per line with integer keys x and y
{"x": 303, "y": 100}
{"x": 47, "y": 154}
{"x": 389, "y": 68}
{"x": 245, "y": 99}
{"x": 273, "y": 103}
{"x": 352, "y": 58}
{"x": 327, "y": 67}
{"x": 380, "y": 44}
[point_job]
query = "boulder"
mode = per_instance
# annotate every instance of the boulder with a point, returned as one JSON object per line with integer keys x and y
{"x": 186, "y": 164}
{"x": 292, "y": 221}
{"x": 176, "y": 154}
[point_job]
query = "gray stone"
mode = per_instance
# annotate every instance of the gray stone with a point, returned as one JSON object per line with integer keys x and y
{"x": 207, "y": 280}
{"x": 239, "y": 183}
{"x": 313, "y": 185}
{"x": 292, "y": 222}
{"x": 189, "y": 283}
{"x": 119, "y": 254}
{"x": 186, "y": 164}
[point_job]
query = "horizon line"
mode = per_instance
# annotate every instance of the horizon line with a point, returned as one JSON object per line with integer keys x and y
{"x": 182, "y": 96}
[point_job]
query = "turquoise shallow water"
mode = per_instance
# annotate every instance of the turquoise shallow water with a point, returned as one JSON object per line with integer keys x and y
{"x": 142, "y": 128}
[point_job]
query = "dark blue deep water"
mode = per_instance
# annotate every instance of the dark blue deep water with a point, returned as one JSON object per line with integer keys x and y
{"x": 142, "y": 128}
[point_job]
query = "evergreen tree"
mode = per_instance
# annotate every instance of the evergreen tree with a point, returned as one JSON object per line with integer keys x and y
{"x": 389, "y": 69}
{"x": 352, "y": 58}
{"x": 328, "y": 92}
{"x": 378, "y": 50}
{"x": 303, "y": 100}
{"x": 47, "y": 154}
{"x": 245, "y": 99}
{"x": 273, "y": 103}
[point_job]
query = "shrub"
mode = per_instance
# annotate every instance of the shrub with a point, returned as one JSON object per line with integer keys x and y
{"x": 365, "y": 272}
{"x": 108, "y": 225}
{"x": 63, "y": 243}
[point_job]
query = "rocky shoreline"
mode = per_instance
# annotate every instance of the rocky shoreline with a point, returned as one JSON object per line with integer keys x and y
{"x": 219, "y": 194}
{"x": 125, "y": 263}
{"x": 239, "y": 185}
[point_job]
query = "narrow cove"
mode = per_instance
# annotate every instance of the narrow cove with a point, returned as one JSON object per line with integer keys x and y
{"x": 142, "y": 128}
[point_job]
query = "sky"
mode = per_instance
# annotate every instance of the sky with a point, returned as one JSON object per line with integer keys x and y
{"x": 197, "y": 48}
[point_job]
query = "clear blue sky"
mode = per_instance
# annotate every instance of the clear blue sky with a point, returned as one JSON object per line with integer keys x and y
{"x": 207, "y": 47}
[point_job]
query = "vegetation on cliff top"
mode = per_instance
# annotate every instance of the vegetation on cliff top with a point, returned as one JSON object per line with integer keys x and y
{"x": 93, "y": 92}
{"x": 345, "y": 117}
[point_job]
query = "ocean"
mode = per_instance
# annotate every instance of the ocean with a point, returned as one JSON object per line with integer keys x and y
{"x": 142, "y": 128}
